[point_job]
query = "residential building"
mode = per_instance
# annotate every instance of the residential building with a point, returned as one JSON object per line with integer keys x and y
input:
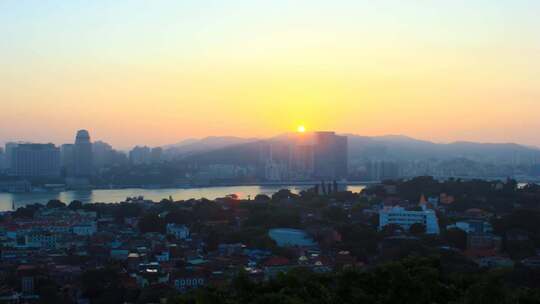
{"x": 67, "y": 159}
{"x": 34, "y": 160}
{"x": 181, "y": 232}
{"x": 330, "y": 154}
{"x": 472, "y": 226}
{"x": 185, "y": 280}
{"x": 140, "y": 155}
{"x": 85, "y": 229}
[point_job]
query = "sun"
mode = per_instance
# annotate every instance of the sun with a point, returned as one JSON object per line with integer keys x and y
{"x": 301, "y": 129}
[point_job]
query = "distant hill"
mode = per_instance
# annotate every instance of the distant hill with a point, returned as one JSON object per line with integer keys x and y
{"x": 406, "y": 148}
{"x": 388, "y": 147}
{"x": 193, "y": 146}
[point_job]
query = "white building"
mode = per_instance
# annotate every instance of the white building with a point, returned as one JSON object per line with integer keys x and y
{"x": 181, "y": 232}
{"x": 405, "y": 218}
{"x": 472, "y": 226}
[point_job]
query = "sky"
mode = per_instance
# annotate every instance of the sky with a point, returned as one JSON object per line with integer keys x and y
{"x": 157, "y": 72}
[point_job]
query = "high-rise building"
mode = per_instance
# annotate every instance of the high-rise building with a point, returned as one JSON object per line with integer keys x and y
{"x": 9, "y": 152}
{"x": 103, "y": 154}
{"x": 34, "y": 160}
{"x": 83, "y": 164}
{"x": 3, "y": 161}
{"x": 330, "y": 156}
{"x": 156, "y": 154}
{"x": 140, "y": 155}
{"x": 302, "y": 161}
{"x": 67, "y": 159}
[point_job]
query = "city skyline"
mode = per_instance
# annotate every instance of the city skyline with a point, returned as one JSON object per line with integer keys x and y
{"x": 169, "y": 71}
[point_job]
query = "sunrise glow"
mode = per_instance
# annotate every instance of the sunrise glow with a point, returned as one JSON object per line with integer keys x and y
{"x": 434, "y": 70}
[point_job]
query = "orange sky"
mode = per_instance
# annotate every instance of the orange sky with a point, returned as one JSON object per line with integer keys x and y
{"x": 136, "y": 73}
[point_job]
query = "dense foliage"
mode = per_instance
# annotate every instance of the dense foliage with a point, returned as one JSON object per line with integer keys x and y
{"x": 412, "y": 280}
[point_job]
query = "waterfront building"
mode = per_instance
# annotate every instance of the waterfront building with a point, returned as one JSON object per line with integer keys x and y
{"x": 156, "y": 154}
{"x": 67, "y": 159}
{"x": 330, "y": 156}
{"x": 83, "y": 155}
{"x": 3, "y": 161}
{"x": 34, "y": 160}
{"x": 140, "y": 155}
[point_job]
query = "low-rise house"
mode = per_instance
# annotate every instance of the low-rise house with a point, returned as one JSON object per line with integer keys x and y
{"x": 532, "y": 262}
{"x": 162, "y": 256}
{"x": 119, "y": 253}
{"x": 180, "y": 232}
{"x": 185, "y": 280}
{"x": 230, "y": 249}
{"x": 517, "y": 235}
{"x": 495, "y": 262}
{"x": 151, "y": 274}
{"x": 85, "y": 229}
{"x": 476, "y": 241}
{"x": 40, "y": 239}
{"x": 472, "y": 226}
{"x": 275, "y": 265}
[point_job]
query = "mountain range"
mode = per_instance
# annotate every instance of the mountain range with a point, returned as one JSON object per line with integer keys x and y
{"x": 389, "y": 147}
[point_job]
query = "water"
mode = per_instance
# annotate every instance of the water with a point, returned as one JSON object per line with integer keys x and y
{"x": 119, "y": 195}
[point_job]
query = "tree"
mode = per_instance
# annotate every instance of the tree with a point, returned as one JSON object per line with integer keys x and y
{"x": 335, "y": 214}
{"x": 75, "y": 205}
{"x": 456, "y": 238}
{"x": 262, "y": 198}
{"x": 391, "y": 229}
{"x": 152, "y": 223}
{"x": 55, "y": 204}
{"x": 417, "y": 229}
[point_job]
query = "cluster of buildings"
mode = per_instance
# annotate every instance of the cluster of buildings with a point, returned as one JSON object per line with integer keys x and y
{"x": 145, "y": 155}
{"x": 32, "y": 160}
{"x": 47, "y": 245}
{"x": 306, "y": 156}
{"x": 73, "y": 164}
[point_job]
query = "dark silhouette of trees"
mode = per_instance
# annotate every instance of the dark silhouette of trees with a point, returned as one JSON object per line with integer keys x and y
{"x": 417, "y": 229}
{"x": 75, "y": 205}
{"x": 152, "y": 223}
{"x": 55, "y": 204}
{"x": 456, "y": 238}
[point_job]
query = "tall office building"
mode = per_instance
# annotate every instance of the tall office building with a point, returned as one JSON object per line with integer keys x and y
{"x": 3, "y": 162}
{"x": 330, "y": 156}
{"x": 9, "y": 152}
{"x": 67, "y": 159}
{"x": 34, "y": 160}
{"x": 103, "y": 154}
{"x": 83, "y": 155}
{"x": 302, "y": 161}
{"x": 140, "y": 155}
{"x": 156, "y": 154}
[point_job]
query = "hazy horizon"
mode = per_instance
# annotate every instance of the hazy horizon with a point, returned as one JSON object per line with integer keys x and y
{"x": 155, "y": 73}
{"x": 189, "y": 139}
